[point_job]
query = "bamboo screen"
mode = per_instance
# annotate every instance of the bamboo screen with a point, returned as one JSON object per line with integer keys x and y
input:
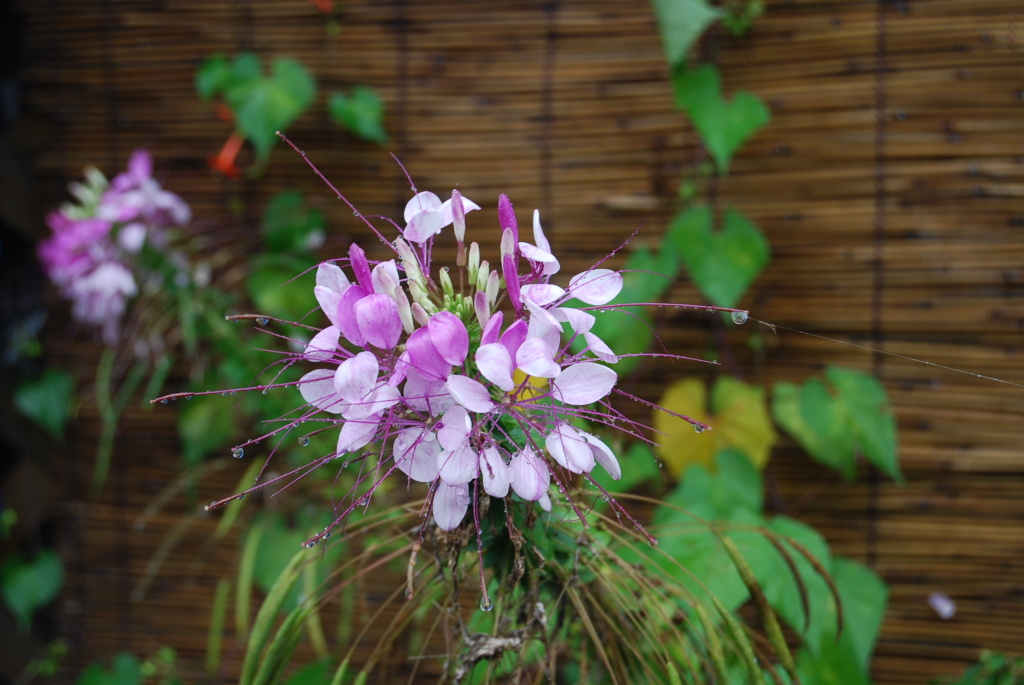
{"x": 890, "y": 185}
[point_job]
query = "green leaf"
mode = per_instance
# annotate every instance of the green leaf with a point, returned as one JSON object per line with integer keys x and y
{"x": 212, "y": 76}
{"x": 834, "y": 664}
{"x": 290, "y": 226}
{"x": 47, "y": 400}
{"x": 361, "y": 112}
{"x": 276, "y": 291}
{"x": 126, "y": 669}
{"x": 316, "y": 673}
{"x": 27, "y": 585}
{"x": 871, "y": 415}
{"x": 681, "y": 22}
{"x": 205, "y": 425}
{"x": 722, "y": 263}
{"x": 639, "y": 466}
{"x": 723, "y": 126}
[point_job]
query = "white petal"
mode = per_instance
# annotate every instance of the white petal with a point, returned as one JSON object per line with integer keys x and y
{"x": 597, "y": 286}
{"x": 549, "y": 265}
{"x": 529, "y": 475}
{"x": 323, "y": 346}
{"x": 470, "y": 394}
{"x": 415, "y": 452}
{"x": 604, "y": 456}
{"x": 541, "y": 293}
{"x": 424, "y": 225}
{"x": 331, "y": 276}
{"x": 328, "y": 299}
{"x": 454, "y": 428}
{"x": 599, "y": 349}
{"x": 493, "y": 472}
{"x": 579, "y": 321}
{"x": 355, "y": 377}
{"x": 569, "y": 448}
{"x": 495, "y": 364}
{"x": 356, "y": 434}
{"x": 459, "y": 465}
{"x": 420, "y": 202}
{"x": 317, "y": 388}
{"x": 536, "y": 358}
{"x": 450, "y": 505}
{"x": 583, "y": 383}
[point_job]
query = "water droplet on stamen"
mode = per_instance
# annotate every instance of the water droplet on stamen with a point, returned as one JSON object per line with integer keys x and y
{"x": 739, "y": 318}
{"x": 486, "y": 604}
{"x": 263, "y": 321}
{"x": 164, "y": 401}
{"x": 233, "y": 393}
{"x": 698, "y": 428}
{"x": 264, "y": 391}
{"x": 237, "y": 452}
{"x": 304, "y": 440}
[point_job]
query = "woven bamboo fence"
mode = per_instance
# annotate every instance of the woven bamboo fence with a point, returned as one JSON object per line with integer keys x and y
{"x": 890, "y": 184}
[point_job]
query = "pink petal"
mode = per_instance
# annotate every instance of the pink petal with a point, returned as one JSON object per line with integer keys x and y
{"x": 545, "y": 502}
{"x": 355, "y": 377}
{"x": 425, "y": 358}
{"x": 470, "y": 394}
{"x": 360, "y": 267}
{"x": 453, "y": 430}
{"x": 357, "y": 434}
{"x": 450, "y": 505}
{"x": 514, "y": 336}
{"x": 346, "y": 318}
{"x": 507, "y": 217}
{"x": 529, "y": 475}
{"x": 541, "y": 293}
{"x": 424, "y": 226}
{"x": 317, "y": 388}
{"x": 544, "y": 326}
{"x": 415, "y": 452}
{"x": 328, "y": 299}
{"x": 385, "y": 277}
{"x": 604, "y": 456}
{"x": 323, "y": 346}
{"x": 539, "y": 239}
{"x": 493, "y": 472}
{"x": 495, "y": 364}
{"x": 458, "y": 466}
{"x": 510, "y": 270}
{"x": 597, "y": 286}
{"x": 420, "y": 202}
{"x": 569, "y": 448}
{"x": 482, "y": 308}
{"x": 536, "y": 358}
{"x": 377, "y": 401}
{"x": 599, "y": 349}
{"x": 424, "y": 394}
{"x": 583, "y": 383}
{"x": 492, "y": 329}
{"x": 579, "y": 321}
{"x": 379, "y": 321}
{"x": 449, "y": 336}
{"x": 331, "y": 276}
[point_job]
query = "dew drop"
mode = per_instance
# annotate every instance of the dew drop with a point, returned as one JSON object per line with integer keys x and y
{"x": 237, "y": 452}
{"x": 698, "y": 428}
{"x": 740, "y": 317}
{"x": 408, "y": 592}
{"x": 223, "y": 394}
{"x": 356, "y": 214}
{"x": 264, "y": 391}
{"x": 263, "y": 321}
{"x": 486, "y": 604}
{"x": 653, "y": 542}
{"x": 188, "y": 397}
{"x": 304, "y": 440}
{"x": 163, "y": 401}
{"x": 233, "y": 393}
{"x": 241, "y": 497}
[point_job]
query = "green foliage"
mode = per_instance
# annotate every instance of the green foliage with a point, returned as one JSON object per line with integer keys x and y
{"x": 681, "y": 23}
{"x": 723, "y": 263}
{"x": 47, "y": 399}
{"x": 28, "y": 584}
{"x": 723, "y": 126}
{"x": 276, "y": 291}
{"x": 992, "y": 668}
{"x": 262, "y": 104}
{"x": 289, "y": 226}
{"x": 837, "y": 420}
{"x": 127, "y": 669}
{"x": 361, "y": 112}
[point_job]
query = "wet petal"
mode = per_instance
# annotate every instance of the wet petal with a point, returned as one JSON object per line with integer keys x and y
{"x": 454, "y": 428}
{"x": 449, "y": 336}
{"x": 492, "y": 329}
{"x": 604, "y": 456}
{"x": 425, "y": 358}
{"x": 529, "y": 475}
{"x": 536, "y": 358}
{"x": 415, "y": 452}
{"x": 542, "y": 293}
{"x": 328, "y": 300}
{"x": 357, "y": 434}
{"x": 579, "y": 321}
{"x": 597, "y": 286}
{"x": 424, "y": 226}
{"x": 493, "y": 472}
{"x": 379, "y": 321}
{"x": 450, "y": 505}
{"x": 420, "y": 202}
{"x": 599, "y": 349}
{"x": 459, "y": 465}
{"x": 331, "y": 276}
{"x": 346, "y": 318}
{"x": 317, "y": 388}
{"x": 355, "y": 377}
{"x": 495, "y": 364}
{"x": 570, "y": 449}
{"x": 471, "y": 394}
{"x": 323, "y": 346}
{"x": 583, "y": 383}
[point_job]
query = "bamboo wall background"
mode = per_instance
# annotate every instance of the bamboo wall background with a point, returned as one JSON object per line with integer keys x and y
{"x": 890, "y": 185}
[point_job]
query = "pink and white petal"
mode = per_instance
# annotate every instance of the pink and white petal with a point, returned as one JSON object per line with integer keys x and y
{"x": 583, "y": 383}
{"x": 424, "y": 226}
{"x": 544, "y": 326}
{"x": 381, "y": 398}
{"x": 345, "y": 320}
{"x": 536, "y": 358}
{"x": 569, "y": 448}
{"x": 604, "y": 456}
{"x": 482, "y": 308}
{"x": 596, "y": 287}
{"x": 493, "y": 472}
{"x": 415, "y": 452}
{"x": 424, "y": 394}
{"x": 599, "y": 349}
{"x": 323, "y": 346}
{"x": 379, "y": 321}
{"x": 529, "y": 475}
{"x": 425, "y": 358}
{"x": 360, "y": 267}
{"x": 579, "y": 321}
{"x": 492, "y": 329}
{"x": 357, "y": 434}
{"x": 471, "y": 394}
{"x": 545, "y": 502}
{"x": 539, "y": 239}
{"x": 420, "y": 202}
{"x": 331, "y": 276}
{"x": 459, "y": 465}
{"x": 514, "y": 336}
{"x": 449, "y": 336}
{"x": 355, "y": 377}
{"x": 449, "y": 211}
{"x": 548, "y": 264}
{"x": 317, "y": 388}
{"x": 541, "y": 293}
{"x": 450, "y": 505}
{"x": 495, "y": 364}
{"x": 454, "y": 428}
{"x": 328, "y": 299}
{"x": 385, "y": 277}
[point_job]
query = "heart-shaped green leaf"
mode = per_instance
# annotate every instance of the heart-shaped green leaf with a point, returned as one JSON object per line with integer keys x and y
{"x": 722, "y": 263}
{"x": 27, "y": 585}
{"x": 290, "y": 226}
{"x": 681, "y": 22}
{"x": 723, "y": 126}
{"x": 361, "y": 112}
{"x": 47, "y": 400}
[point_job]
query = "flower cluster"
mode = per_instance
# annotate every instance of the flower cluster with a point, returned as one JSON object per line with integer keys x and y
{"x": 466, "y": 382}
{"x": 94, "y": 243}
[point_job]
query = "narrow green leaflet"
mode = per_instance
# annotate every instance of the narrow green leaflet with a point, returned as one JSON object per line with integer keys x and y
{"x": 838, "y": 420}
{"x": 30, "y": 584}
{"x": 361, "y": 112}
{"x": 681, "y": 23}
{"x": 723, "y": 263}
{"x": 723, "y": 126}
{"x": 47, "y": 400}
